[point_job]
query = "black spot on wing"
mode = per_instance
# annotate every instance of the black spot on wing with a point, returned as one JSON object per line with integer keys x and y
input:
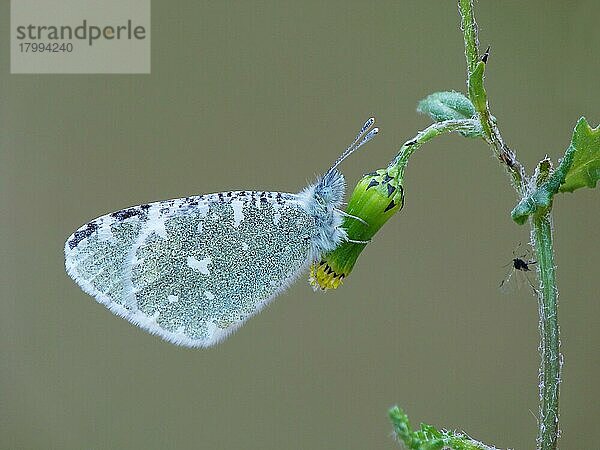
{"x": 80, "y": 235}
{"x": 126, "y": 213}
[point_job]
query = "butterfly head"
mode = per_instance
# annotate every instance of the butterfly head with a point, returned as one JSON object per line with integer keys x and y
{"x": 329, "y": 190}
{"x": 324, "y": 197}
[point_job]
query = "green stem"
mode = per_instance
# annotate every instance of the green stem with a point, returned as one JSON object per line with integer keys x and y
{"x": 541, "y": 231}
{"x": 469, "y": 28}
{"x": 399, "y": 163}
{"x": 551, "y": 360}
{"x": 477, "y": 94}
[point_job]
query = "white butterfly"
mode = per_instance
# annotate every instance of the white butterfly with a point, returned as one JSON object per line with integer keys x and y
{"x": 193, "y": 270}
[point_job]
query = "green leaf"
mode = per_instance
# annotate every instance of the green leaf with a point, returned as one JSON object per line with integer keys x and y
{"x": 543, "y": 171}
{"x": 540, "y": 198}
{"x": 443, "y": 106}
{"x": 585, "y": 167}
{"x": 447, "y": 106}
{"x": 430, "y": 438}
{"x": 477, "y": 92}
{"x": 579, "y": 167}
{"x": 539, "y": 201}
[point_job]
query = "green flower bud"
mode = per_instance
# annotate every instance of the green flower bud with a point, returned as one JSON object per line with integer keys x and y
{"x": 376, "y": 198}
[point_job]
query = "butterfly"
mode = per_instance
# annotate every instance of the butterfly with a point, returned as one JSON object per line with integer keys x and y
{"x": 192, "y": 270}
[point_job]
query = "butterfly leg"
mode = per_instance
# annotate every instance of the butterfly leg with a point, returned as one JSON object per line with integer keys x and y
{"x": 358, "y": 242}
{"x": 344, "y": 213}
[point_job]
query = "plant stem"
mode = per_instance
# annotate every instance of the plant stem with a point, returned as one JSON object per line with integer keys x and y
{"x": 469, "y": 29}
{"x": 491, "y": 132}
{"x": 551, "y": 361}
{"x": 541, "y": 233}
{"x": 399, "y": 163}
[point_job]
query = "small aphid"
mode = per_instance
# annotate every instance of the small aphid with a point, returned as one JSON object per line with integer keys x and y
{"x": 520, "y": 265}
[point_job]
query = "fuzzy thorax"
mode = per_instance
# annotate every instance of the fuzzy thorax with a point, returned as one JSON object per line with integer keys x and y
{"x": 321, "y": 200}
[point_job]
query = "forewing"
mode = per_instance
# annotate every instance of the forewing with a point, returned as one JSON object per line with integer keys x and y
{"x": 193, "y": 270}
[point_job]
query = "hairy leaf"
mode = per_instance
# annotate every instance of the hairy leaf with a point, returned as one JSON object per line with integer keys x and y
{"x": 579, "y": 167}
{"x": 447, "y": 106}
{"x": 430, "y": 438}
{"x": 443, "y": 106}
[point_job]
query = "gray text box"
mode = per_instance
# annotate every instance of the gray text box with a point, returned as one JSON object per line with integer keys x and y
{"x": 80, "y": 36}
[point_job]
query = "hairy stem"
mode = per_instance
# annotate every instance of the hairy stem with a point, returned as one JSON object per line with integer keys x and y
{"x": 541, "y": 234}
{"x": 477, "y": 94}
{"x": 541, "y": 231}
{"x": 399, "y": 163}
{"x": 469, "y": 29}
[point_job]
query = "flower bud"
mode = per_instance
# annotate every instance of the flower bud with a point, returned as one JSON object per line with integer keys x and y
{"x": 376, "y": 198}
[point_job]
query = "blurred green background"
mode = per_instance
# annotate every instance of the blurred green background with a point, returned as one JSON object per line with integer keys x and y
{"x": 265, "y": 95}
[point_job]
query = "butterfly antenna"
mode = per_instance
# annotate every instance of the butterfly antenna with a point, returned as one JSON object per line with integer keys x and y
{"x": 365, "y": 134}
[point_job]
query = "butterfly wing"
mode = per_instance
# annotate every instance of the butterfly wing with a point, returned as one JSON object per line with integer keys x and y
{"x": 193, "y": 270}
